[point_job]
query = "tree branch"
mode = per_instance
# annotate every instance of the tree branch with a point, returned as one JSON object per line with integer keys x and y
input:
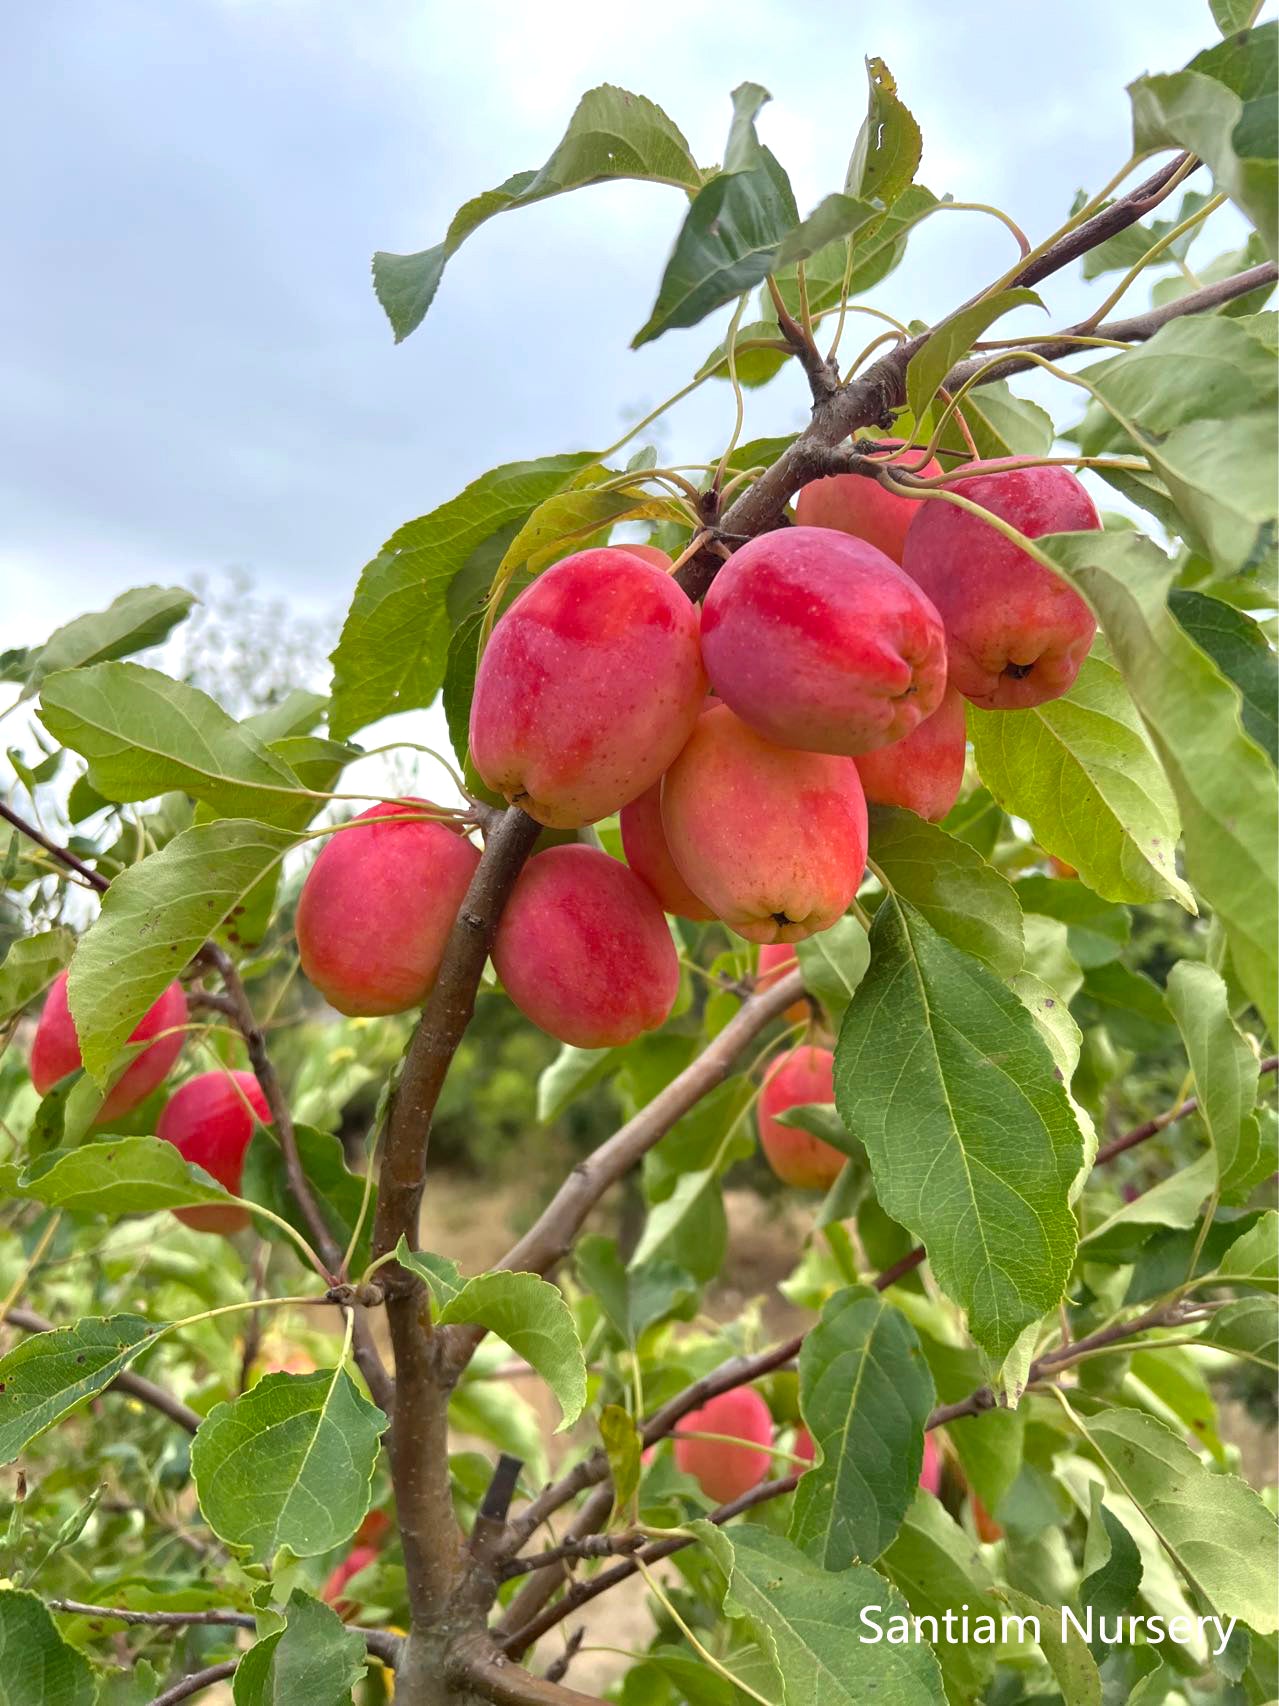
{"x": 1140, "y": 1133}
{"x": 444, "y": 1019}
{"x": 63, "y": 855}
{"x": 494, "y": 1677}
{"x": 551, "y": 1236}
{"x": 382, "y": 1643}
{"x": 132, "y": 1385}
{"x": 186, "y": 1686}
{"x": 1125, "y": 211}
{"x": 1134, "y": 330}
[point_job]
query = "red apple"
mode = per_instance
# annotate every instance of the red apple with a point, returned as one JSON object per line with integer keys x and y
{"x": 584, "y": 950}
{"x": 209, "y": 1120}
{"x": 858, "y": 504}
{"x": 819, "y": 641}
{"x": 774, "y": 840}
{"x": 924, "y": 772}
{"x": 725, "y": 1472}
{"x": 588, "y": 687}
{"x": 1016, "y": 632}
{"x": 647, "y": 854}
{"x": 56, "y": 1049}
{"x": 377, "y": 906}
{"x": 800, "y": 1075}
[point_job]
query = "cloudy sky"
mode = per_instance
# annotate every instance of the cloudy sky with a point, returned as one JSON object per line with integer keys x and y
{"x": 197, "y": 373}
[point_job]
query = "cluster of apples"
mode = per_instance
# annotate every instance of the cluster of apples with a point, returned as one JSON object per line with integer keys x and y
{"x": 738, "y": 745}
{"x": 209, "y": 1119}
{"x": 725, "y": 1471}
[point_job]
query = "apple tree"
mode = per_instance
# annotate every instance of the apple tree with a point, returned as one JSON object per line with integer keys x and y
{"x": 899, "y": 793}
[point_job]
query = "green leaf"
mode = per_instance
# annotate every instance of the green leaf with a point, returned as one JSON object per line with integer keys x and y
{"x": 962, "y": 897}
{"x": 144, "y": 734}
{"x": 624, "y": 1447}
{"x": 613, "y": 134}
{"x": 1174, "y": 1201}
{"x": 119, "y": 1175}
{"x": 632, "y": 1300}
{"x": 574, "y": 518}
{"x": 1231, "y": 16}
{"x": 865, "y": 1393}
{"x": 30, "y": 966}
{"x": 527, "y": 1312}
{"x": 952, "y": 339}
{"x": 48, "y": 1375}
{"x": 1001, "y": 424}
{"x": 37, "y": 1667}
{"x": 728, "y": 242}
{"x": 391, "y": 655}
{"x": 1248, "y": 1329}
{"x": 833, "y": 963}
{"x": 312, "y": 1659}
{"x": 833, "y": 220}
{"x": 1221, "y": 107}
{"x": 1192, "y": 713}
{"x": 1073, "y": 1667}
{"x": 939, "y": 1569}
{"x": 887, "y": 152}
{"x": 296, "y": 714}
{"x": 441, "y": 1273}
{"x": 803, "y": 1617}
{"x": 1198, "y": 402}
{"x": 1214, "y": 1528}
{"x": 943, "y": 1075}
{"x": 154, "y": 917}
{"x": 1226, "y": 1076}
{"x": 1097, "y": 930}
{"x": 1240, "y": 650}
{"x": 288, "y": 1463}
{"x": 573, "y": 1071}
{"x": 1081, "y": 771}
{"x": 142, "y": 617}
{"x": 1253, "y": 1260}
{"x": 1111, "y": 1561}
{"x": 338, "y": 1192}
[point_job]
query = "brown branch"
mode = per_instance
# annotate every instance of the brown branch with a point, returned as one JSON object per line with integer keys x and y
{"x": 1127, "y": 210}
{"x": 444, "y": 1019}
{"x": 186, "y": 1686}
{"x": 63, "y": 855}
{"x": 132, "y": 1385}
{"x": 494, "y": 1677}
{"x": 382, "y": 1643}
{"x": 1134, "y": 330}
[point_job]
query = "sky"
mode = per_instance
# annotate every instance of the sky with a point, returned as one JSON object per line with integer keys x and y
{"x": 197, "y": 373}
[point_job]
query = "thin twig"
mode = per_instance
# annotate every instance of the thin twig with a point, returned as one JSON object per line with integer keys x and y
{"x": 384, "y": 1644}
{"x": 62, "y": 854}
{"x": 1140, "y": 1133}
{"x": 186, "y": 1686}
